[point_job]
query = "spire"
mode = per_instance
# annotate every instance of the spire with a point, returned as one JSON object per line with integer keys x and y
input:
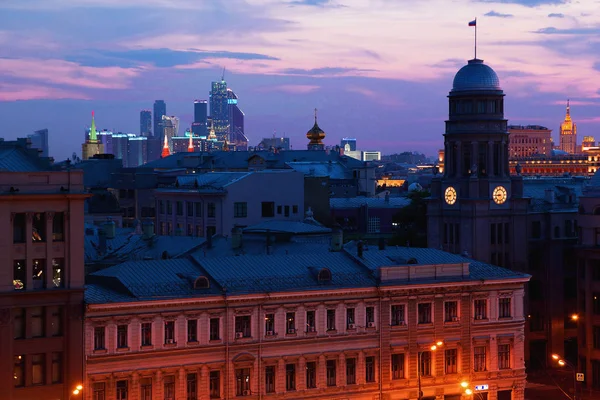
{"x": 568, "y": 116}
{"x": 223, "y": 75}
{"x": 190, "y": 144}
{"x": 165, "y": 150}
{"x": 315, "y": 116}
{"x": 93, "y": 135}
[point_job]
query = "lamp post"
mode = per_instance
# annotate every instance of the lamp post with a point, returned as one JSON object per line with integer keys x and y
{"x": 564, "y": 363}
{"x": 76, "y": 391}
{"x": 469, "y": 391}
{"x": 433, "y": 347}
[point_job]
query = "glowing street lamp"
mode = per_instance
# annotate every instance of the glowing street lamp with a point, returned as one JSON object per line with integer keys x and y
{"x": 433, "y": 347}
{"x": 76, "y": 391}
{"x": 574, "y": 317}
{"x": 563, "y": 363}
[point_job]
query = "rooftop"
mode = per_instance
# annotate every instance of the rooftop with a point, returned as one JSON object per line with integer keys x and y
{"x": 371, "y": 202}
{"x": 476, "y": 76}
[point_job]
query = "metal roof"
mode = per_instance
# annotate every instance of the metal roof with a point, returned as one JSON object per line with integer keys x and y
{"x": 293, "y": 227}
{"x": 371, "y": 202}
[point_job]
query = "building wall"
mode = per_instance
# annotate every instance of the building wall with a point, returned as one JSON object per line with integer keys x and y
{"x": 527, "y": 141}
{"x": 158, "y": 362}
{"x": 42, "y": 324}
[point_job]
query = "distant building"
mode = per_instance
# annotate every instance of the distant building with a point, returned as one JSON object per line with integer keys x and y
{"x": 587, "y": 142}
{"x": 369, "y": 216}
{"x": 237, "y": 137}
{"x": 137, "y": 151}
{"x": 526, "y": 141}
{"x": 39, "y": 140}
{"x": 364, "y": 155}
{"x": 281, "y": 143}
{"x": 160, "y": 110}
{"x": 568, "y": 133}
{"x": 219, "y": 109}
{"x": 315, "y": 136}
{"x": 181, "y": 143}
{"x": 200, "y": 124}
{"x": 351, "y": 142}
{"x": 170, "y": 129}
{"x": 91, "y": 146}
{"x": 145, "y": 123}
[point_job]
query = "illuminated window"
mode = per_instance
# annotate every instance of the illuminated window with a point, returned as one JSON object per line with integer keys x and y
{"x": 58, "y": 272}
{"x": 39, "y": 273}
{"x": 290, "y": 322}
{"x": 38, "y": 227}
{"x": 242, "y": 382}
{"x": 19, "y": 274}
{"x": 397, "y": 366}
{"x": 19, "y": 371}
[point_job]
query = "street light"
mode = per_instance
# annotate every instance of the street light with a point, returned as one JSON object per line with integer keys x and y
{"x": 433, "y": 347}
{"x": 564, "y": 363}
{"x": 76, "y": 391}
{"x": 574, "y": 317}
{"x": 469, "y": 391}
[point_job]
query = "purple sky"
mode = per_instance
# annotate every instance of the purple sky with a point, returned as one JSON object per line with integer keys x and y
{"x": 377, "y": 70}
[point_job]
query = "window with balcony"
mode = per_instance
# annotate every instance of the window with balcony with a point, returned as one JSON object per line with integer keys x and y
{"x": 19, "y": 228}
{"x": 146, "y": 388}
{"x": 58, "y": 272}
{"x": 19, "y": 274}
{"x": 350, "y": 320}
{"x": 450, "y": 358}
{"x": 267, "y": 209}
{"x": 38, "y": 322}
{"x": 39, "y": 274}
{"x": 215, "y": 384}
{"x": 240, "y": 209}
{"x": 451, "y": 311}
{"x": 56, "y": 321}
{"x": 370, "y": 369}
{"x": 242, "y": 326}
{"x": 479, "y": 362}
{"x": 290, "y": 377}
{"x": 122, "y": 390}
{"x": 311, "y": 321}
{"x": 503, "y": 356}
{"x": 242, "y": 382}
{"x": 147, "y": 334}
{"x": 214, "y": 329}
{"x": 424, "y": 313}
{"x": 211, "y": 210}
{"x": 270, "y": 379}
{"x": 331, "y": 320}
{"x": 169, "y": 332}
{"x": 122, "y": 342}
{"x": 480, "y": 309}
{"x": 58, "y": 227}
{"x": 99, "y": 391}
{"x": 191, "y": 385}
{"x": 504, "y": 307}
{"x": 290, "y": 323}
{"x": 169, "y": 387}
{"x": 397, "y": 314}
{"x": 192, "y": 330}
{"x": 370, "y": 317}
{"x": 19, "y": 371}
{"x": 99, "y": 338}
{"x": 330, "y": 366}
{"x": 350, "y": 371}
{"x": 397, "y": 366}
{"x": 38, "y": 370}
{"x": 425, "y": 364}
{"x": 311, "y": 375}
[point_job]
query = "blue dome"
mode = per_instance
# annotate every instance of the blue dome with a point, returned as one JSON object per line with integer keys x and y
{"x": 476, "y": 76}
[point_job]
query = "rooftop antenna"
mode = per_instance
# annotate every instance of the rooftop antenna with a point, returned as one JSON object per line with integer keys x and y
{"x": 223, "y": 75}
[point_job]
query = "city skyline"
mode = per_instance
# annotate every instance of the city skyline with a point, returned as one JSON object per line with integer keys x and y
{"x": 384, "y": 83}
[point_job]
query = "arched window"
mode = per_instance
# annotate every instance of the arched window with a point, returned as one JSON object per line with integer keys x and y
{"x": 201, "y": 283}
{"x": 324, "y": 275}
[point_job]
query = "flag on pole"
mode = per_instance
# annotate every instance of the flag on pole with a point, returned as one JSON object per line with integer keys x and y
{"x": 473, "y": 23}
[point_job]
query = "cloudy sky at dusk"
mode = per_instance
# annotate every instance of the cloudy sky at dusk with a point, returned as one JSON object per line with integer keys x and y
{"x": 377, "y": 70}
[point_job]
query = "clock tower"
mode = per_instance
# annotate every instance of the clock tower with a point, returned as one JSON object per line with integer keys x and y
{"x": 476, "y": 207}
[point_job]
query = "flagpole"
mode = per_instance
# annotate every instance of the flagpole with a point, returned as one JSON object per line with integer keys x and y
{"x": 476, "y": 38}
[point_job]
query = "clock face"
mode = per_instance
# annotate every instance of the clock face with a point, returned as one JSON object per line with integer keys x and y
{"x": 499, "y": 195}
{"x": 450, "y": 195}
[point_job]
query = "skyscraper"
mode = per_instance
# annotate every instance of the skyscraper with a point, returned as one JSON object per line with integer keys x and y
{"x": 39, "y": 140}
{"x": 219, "y": 110}
{"x": 170, "y": 128}
{"x": 199, "y": 127}
{"x": 236, "y": 122}
{"x": 145, "y": 123}
{"x": 568, "y": 133}
{"x": 92, "y": 145}
{"x": 160, "y": 109}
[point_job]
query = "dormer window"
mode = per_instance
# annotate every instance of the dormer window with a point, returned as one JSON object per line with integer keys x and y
{"x": 412, "y": 260}
{"x": 324, "y": 275}
{"x": 201, "y": 283}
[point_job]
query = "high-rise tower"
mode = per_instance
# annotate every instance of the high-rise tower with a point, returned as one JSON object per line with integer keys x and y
{"x": 92, "y": 145}
{"x": 237, "y": 137}
{"x": 568, "y": 133}
{"x": 472, "y": 206}
{"x": 199, "y": 127}
{"x": 170, "y": 127}
{"x": 160, "y": 110}
{"x": 219, "y": 110}
{"x": 145, "y": 123}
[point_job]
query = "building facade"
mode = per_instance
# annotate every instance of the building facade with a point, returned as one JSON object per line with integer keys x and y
{"x": 160, "y": 110}
{"x": 39, "y": 140}
{"x": 200, "y": 125}
{"x": 351, "y": 142}
{"x": 568, "y": 134}
{"x": 219, "y": 108}
{"x": 526, "y": 141}
{"x": 92, "y": 145}
{"x": 145, "y": 123}
{"x": 170, "y": 127}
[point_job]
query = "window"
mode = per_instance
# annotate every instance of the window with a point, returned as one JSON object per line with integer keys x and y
{"x": 242, "y": 382}
{"x": 504, "y": 308}
{"x": 169, "y": 207}
{"x": 211, "y": 210}
{"x": 39, "y": 274}
{"x": 294, "y": 209}
{"x": 350, "y": 371}
{"x": 58, "y": 268}
{"x": 331, "y": 373}
{"x": 147, "y": 334}
{"x": 198, "y": 207}
{"x": 169, "y": 332}
{"x": 242, "y": 325}
{"x": 146, "y": 388}
{"x": 268, "y": 209}
{"x": 38, "y": 322}
{"x": 450, "y": 359}
{"x": 240, "y": 209}
{"x": 122, "y": 390}
{"x": 310, "y": 321}
{"x": 19, "y": 371}
{"x": 286, "y": 211}
{"x": 99, "y": 337}
{"x": 122, "y": 337}
{"x": 503, "y": 356}
{"x": 189, "y": 208}
{"x": 424, "y": 310}
{"x": 214, "y": 329}
{"x": 270, "y": 379}
{"x": 479, "y": 359}
{"x": 161, "y": 207}
{"x": 191, "y": 381}
{"x": 58, "y": 227}
{"x": 451, "y": 311}
{"x": 38, "y": 227}
{"x": 480, "y": 307}
{"x": 370, "y": 316}
{"x": 290, "y": 322}
{"x": 199, "y": 231}
{"x": 331, "y": 320}
{"x": 425, "y": 363}
{"x": 370, "y": 369}
{"x": 38, "y": 372}
{"x": 19, "y": 274}
{"x": 19, "y": 323}
{"x": 311, "y": 375}
{"x": 190, "y": 230}
{"x": 215, "y": 384}
{"x": 56, "y": 321}
{"x": 374, "y": 224}
{"x": 290, "y": 377}
{"x": 192, "y": 330}
{"x": 19, "y": 228}
{"x": 169, "y": 386}
{"x": 350, "y": 321}
{"x": 99, "y": 391}
{"x": 324, "y": 275}
{"x": 397, "y": 366}
{"x": 397, "y": 314}
{"x": 178, "y": 209}
{"x": 269, "y": 324}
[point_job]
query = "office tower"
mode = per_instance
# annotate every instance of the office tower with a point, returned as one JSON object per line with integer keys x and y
{"x": 119, "y": 145}
{"x": 199, "y": 127}
{"x": 237, "y": 137}
{"x": 91, "y": 146}
{"x": 351, "y": 142}
{"x": 170, "y": 127}
{"x": 39, "y": 140}
{"x": 137, "y": 151}
{"x": 219, "y": 110}
{"x": 160, "y": 109}
{"x": 145, "y": 123}
{"x": 568, "y": 133}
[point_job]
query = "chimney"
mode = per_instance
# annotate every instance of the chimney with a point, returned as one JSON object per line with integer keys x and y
{"x": 101, "y": 241}
{"x": 381, "y": 243}
{"x": 236, "y": 237}
{"x": 549, "y": 195}
{"x": 360, "y": 248}
{"x": 337, "y": 238}
{"x": 147, "y": 229}
{"x": 110, "y": 229}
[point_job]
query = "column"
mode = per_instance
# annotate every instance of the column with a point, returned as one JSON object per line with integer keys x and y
{"x": 203, "y": 382}
{"x": 280, "y": 376}
{"x": 180, "y": 385}
{"x": 340, "y": 373}
{"x": 490, "y": 159}
{"x": 301, "y": 374}
{"x": 321, "y": 372}
{"x": 157, "y": 388}
{"x": 134, "y": 389}
{"x": 360, "y": 368}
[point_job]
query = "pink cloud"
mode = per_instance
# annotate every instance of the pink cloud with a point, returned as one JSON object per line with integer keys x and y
{"x": 295, "y": 89}
{"x": 14, "y": 92}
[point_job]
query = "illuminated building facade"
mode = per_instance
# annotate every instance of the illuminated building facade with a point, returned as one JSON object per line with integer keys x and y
{"x": 351, "y": 142}
{"x": 568, "y": 133}
{"x": 92, "y": 145}
{"x": 145, "y": 123}
{"x": 219, "y": 108}
{"x": 526, "y": 141}
{"x": 160, "y": 110}
{"x": 170, "y": 129}
{"x": 42, "y": 279}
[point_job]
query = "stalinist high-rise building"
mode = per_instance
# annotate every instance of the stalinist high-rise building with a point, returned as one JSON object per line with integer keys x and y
{"x": 92, "y": 145}
{"x": 568, "y": 133}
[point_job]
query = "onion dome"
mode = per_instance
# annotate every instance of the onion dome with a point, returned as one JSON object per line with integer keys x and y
{"x": 315, "y": 134}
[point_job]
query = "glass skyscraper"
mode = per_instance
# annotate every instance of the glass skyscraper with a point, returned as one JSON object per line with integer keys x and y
{"x": 219, "y": 110}
{"x": 160, "y": 110}
{"x": 145, "y": 123}
{"x": 199, "y": 127}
